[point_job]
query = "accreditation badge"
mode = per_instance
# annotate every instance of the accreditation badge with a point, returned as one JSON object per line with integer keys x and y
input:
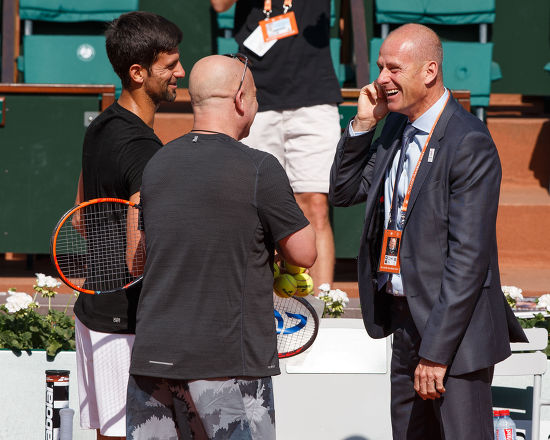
{"x": 389, "y": 256}
{"x": 255, "y": 43}
{"x": 279, "y": 27}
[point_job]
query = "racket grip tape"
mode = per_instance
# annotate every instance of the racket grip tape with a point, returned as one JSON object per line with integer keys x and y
{"x": 66, "y": 424}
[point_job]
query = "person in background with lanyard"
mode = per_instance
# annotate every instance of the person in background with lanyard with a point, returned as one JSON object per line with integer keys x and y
{"x": 431, "y": 181}
{"x": 298, "y": 92}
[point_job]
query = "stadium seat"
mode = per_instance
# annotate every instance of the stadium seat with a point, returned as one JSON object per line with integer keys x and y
{"x": 226, "y": 43}
{"x": 466, "y": 64}
{"x": 74, "y": 10}
{"x": 529, "y": 359}
{"x": 66, "y": 59}
{"x": 448, "y": 12}
{"x": 547, "y": 67}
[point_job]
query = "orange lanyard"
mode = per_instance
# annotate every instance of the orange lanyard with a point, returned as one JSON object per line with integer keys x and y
{"x": 267, "y": 7}
{"x": 413, "y": 177}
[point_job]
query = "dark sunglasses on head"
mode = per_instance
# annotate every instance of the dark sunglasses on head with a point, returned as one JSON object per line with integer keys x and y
{"x": 243, "y": 59}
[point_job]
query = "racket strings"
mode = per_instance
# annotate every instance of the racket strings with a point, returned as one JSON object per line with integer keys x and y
{"x": 294, "y": 323}
{"x": 91, "y": 247}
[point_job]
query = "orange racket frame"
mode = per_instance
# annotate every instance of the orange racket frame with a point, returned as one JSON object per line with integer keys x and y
{"x": 55, "y": 237}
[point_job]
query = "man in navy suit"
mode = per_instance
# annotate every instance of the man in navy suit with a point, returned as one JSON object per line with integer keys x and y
{"x": 432, "y": 179}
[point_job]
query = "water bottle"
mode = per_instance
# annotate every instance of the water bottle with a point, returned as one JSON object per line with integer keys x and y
{"x": 496, "y": 416}
{"x": 506, "y": 428}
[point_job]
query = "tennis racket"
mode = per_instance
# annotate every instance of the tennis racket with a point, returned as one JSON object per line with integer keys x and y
{"x": 96, "y": 246}
{"x": 296, "y": 323}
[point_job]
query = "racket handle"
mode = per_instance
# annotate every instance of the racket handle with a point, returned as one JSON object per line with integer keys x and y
{"x": 66, "y": 424}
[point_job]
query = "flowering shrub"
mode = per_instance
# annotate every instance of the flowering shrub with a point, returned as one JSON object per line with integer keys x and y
{"x": 538, "y": 319}
{"x": 513, "y": 294}
{"x": 335, "y": 301}
{"x": 18, "y": 301}
{"x": 544, "y": 301}
{"x": 23, "y": 328}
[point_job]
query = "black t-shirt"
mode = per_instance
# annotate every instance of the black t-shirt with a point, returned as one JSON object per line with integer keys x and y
{"x": 297, "y": 71}
{"x": 213, "y": 209}
{"x": 117, "y": 146}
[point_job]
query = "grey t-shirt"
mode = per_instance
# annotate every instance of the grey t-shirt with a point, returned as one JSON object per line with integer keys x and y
{"x": 213, "y": 210}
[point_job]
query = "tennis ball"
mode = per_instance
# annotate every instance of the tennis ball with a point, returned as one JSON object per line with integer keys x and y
{"x": 304, "y": 284}
{"x": 276, "y": 270}
{"x": 284, "y": 285}
{"x": 290, "y": 268}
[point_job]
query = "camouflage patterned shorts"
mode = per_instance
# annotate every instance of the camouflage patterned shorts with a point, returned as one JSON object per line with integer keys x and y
{"x": 236, "y": 409}
{"x": 232, "y": 409}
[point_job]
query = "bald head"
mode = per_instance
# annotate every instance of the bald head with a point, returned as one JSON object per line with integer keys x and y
{"x": 410, "y": 61}
{"x": 218, "y": 102}
{"x": 216, "y": 77}
{"x": 419, "y": 41}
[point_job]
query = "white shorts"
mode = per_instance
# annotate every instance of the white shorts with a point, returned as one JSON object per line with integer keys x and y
{"x": 103, "y": 362}
{"x": 304, "y": 141}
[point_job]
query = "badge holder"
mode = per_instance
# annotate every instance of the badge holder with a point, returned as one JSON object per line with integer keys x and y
{"x": 389, "y": 257}
{"x": 279, "y": 27}
{"x": 270, "y": 30}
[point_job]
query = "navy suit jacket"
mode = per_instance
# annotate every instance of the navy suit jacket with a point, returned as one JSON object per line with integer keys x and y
{"x": 449, "y": 260}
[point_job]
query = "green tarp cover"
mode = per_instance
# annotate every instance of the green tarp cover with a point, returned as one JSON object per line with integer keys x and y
{"x": 74, "y": 10}
{"x": 466, "y": 66}
{"x": 451, "y": 12}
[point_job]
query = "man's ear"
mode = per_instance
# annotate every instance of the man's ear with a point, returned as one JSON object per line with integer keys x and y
{"x": 432, "y": 69}
{"x": 136, "y": 73}
{"x": 239, "y": 102}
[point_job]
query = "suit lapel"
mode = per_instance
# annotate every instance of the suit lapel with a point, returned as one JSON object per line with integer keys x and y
{"x": 384, "y": 155}
{"x": 434, "y": 144}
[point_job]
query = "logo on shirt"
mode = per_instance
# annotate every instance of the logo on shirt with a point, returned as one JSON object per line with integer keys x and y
{"x": 116, "y": 320}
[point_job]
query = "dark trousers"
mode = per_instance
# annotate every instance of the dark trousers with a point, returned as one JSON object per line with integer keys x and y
{"x": 464, "y": 411}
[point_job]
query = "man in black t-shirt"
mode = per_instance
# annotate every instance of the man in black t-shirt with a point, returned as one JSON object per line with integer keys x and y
{"x": 298, "y": 93}
{"x": 213, "y": 212}
{"x": 143, "y": 50}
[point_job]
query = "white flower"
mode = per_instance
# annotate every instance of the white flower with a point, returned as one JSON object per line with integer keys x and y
{"x": 335, "y": 300}
{"x": 513, "y": 292}
{"x": 339, "y": 295}
{"x": 40, "y": 280}
{"x": 52, "y": 283}
{"x": 17, "y": 301}
{"x": 544, "y": 301}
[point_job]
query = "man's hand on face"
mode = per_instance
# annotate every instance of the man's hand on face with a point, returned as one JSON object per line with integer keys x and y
{"x": 428, "y": 379}
{"x": 371, "y": 107}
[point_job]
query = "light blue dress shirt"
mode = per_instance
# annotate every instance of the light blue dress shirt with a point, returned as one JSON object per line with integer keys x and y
{"x": 424, "y": 126}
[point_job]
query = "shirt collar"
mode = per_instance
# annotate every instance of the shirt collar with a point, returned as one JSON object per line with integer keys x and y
{"x": 425, "y": 122}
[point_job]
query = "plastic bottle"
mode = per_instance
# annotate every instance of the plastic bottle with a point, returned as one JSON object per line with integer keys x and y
{"x": 506, "y": 428}
{"x": 496, "y": 417}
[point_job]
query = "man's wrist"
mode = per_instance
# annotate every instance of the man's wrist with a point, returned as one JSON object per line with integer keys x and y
{"x": 361, "y": 125}
{"x": 355, "y": 132}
